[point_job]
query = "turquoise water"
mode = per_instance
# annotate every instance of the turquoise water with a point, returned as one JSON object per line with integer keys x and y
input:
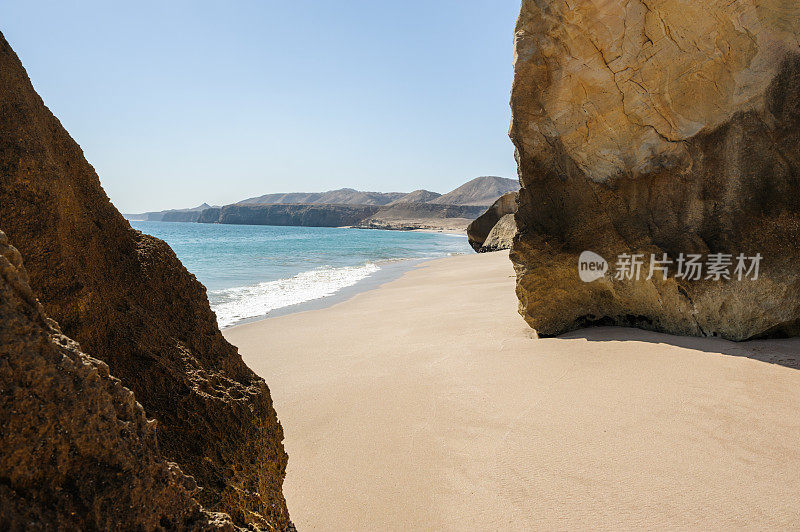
{"x": 251, "y": 270}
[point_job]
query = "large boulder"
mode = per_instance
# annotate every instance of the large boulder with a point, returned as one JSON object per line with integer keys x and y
{"x": 501, "y": 236}
{"x": 128, "y": 300}
{"x": 78, "y": 452}
{"x": 651, "y": 128}
{"x": 479, "y": 229}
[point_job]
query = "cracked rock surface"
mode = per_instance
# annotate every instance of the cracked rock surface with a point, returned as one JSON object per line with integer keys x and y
{"x": 655, "y": 127}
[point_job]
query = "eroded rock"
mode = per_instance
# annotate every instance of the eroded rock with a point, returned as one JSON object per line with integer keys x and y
{"x": 77, "y": 450}
{"x": 478, "y": 231}
{"x": 127, "y": 299}
{"x": 652, "y": 127}
{"x": 501, "y": 236}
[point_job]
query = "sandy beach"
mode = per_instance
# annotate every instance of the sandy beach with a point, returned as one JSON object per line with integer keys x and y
{"x": 428, "y": 403}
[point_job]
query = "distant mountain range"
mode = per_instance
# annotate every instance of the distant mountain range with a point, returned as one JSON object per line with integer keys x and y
{"x": 481, "y": 191}
{"x": 342, "y": 196}
{"x": 344, "y": 207}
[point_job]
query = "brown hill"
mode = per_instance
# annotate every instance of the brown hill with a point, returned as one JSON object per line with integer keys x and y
{"x": 418, "y": 196}
{"x": 479, "y": 191}
{"x": 342, "y": 196}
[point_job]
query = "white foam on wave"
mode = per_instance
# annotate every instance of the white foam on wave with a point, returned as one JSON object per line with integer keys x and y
{"x": 235, "y": 304}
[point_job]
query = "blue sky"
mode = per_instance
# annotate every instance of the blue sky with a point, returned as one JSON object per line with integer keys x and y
{"x": 179, "y": 102}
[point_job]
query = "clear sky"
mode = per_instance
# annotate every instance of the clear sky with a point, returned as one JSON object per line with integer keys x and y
{"x": 177, "y": 102}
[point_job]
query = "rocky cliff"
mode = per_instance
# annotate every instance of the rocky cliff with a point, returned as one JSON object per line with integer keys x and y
{"x": 78, "y": 451}
{"x": 128, "y": 301}
{"x": 313, "y": 215}
{"x": 394, "y": 216}
{"x": 645, "y": 128}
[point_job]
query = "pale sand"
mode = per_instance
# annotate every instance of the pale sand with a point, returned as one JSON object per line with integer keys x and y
{"x": 426, "y": 404}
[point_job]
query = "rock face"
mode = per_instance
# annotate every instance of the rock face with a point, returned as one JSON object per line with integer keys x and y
{"x": 127, "y": 299}
{"x": 479, "y": 229}
{"x": 652, "y": 127}
{"x": 501, "y": 236}
{"x": 77, "y": 449}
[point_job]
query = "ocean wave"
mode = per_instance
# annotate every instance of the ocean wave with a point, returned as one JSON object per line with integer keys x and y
{"x": 235, "y": 304}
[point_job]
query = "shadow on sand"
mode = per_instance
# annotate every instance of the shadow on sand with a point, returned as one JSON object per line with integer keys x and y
{"x": 785, "y": 352}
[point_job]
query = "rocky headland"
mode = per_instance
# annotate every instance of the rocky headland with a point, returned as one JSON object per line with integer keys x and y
{"x": 644, "y": 129}
{"x": 172, "y": 215}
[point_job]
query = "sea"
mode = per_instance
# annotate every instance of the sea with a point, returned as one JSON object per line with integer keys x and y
{"x": 256, "y": 271}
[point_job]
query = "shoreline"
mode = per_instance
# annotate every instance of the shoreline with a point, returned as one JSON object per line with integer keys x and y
{"x": 389, "y": 271}
{"x": 426, "y": 403}
{"x": 406, "y": 228}
{"x": 297, "y": 287}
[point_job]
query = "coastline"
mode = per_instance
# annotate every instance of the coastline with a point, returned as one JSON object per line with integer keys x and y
{"x": 439, "y": 230}
{"x": 397, "y": 415}
{"x": 457, "y": 228}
